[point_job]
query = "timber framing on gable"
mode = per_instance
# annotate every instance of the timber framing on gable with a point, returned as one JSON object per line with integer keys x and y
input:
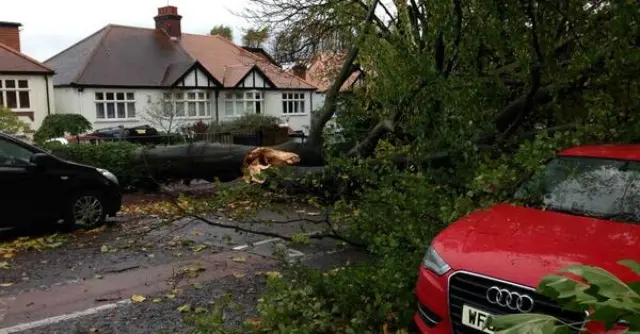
{"x": 196, "y": 77}
{"x": 255, "y": 79}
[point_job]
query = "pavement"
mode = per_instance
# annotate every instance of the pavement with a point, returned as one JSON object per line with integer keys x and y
{"x": 87, "y": 284}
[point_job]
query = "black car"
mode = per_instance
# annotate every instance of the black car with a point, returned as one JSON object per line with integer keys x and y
{"x": 143, "y": 134}
{"x": 36, "y": 186}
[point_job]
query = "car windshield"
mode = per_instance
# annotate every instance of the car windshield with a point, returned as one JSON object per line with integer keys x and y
{"x": 604, "y": 188}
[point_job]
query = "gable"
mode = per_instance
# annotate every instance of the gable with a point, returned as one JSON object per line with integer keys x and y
{"x": 196, "y": 77}
{"x": 255, "y": 79}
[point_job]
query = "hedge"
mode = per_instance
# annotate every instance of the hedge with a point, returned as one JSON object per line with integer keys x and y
{"x": 117, "y": 157}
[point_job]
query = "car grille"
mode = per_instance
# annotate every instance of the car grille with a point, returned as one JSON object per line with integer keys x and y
{"x": 471, "y": 289}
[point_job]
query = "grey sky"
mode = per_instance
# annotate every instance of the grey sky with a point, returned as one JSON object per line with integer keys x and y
{"x": 51, "y": 26}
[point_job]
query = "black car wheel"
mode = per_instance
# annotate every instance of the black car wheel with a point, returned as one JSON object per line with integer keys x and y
{"x": 86, "y": 209}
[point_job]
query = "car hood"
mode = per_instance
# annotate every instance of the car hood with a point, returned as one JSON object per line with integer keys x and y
{"x": 522, "y": 245}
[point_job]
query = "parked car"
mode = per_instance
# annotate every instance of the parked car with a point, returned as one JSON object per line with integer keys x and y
{"x": 39, "y": 187}
{"x": 582, "y": 207}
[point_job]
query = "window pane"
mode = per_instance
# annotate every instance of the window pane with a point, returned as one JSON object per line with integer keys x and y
{"x": 284, "y": 96}
{"x": 284, "y": 107}
{"x": 1, "y": 98}
{"x": 121, "y": 112}
{"x": 111, "y": 109}
{"x": 248, "y": 96}
{"x": 166, "y": 96}
{"x": 295, "y": 107}
{"x": 12, "y": 99}
{"x": 168, "y": 109}
{"x": 120, "y": 96}
{"x": 10, "y": 83}
{"x": 250, "y": 108}
{"x": 130, "y": 97}
{"x": 109, "y": 96}
{"x": 191, "y": 96}
{"x": 99, "y": 110}
{"x": 201, "y": 96}
{"x": 258, "y": 107}
{"x": 180, "y": 109}
{"x": 24, "y": 100}
{"x": 201, "y": 109}
{"x": 207, "y": 106}
{"x": 228, "y": 96}
{"x": 290, "y": 107}
{"x": 179, "y": 96}
{"x": 1, "y": 83}
{"x": 99, "y": 96}
{"x": 238, "y": 96}
{"x": 302, "y": 110}
{"x": 228, "y": 108}
{"x": 240, "y": 108}
{"x": 192, "y": 109}
{"x": 208, "y": 96}
{"x": 131, "y": 110}
{"x": 23, "y": 84}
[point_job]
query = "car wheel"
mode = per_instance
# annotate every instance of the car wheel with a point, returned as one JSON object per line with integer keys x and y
{"x": 86, "y": 209}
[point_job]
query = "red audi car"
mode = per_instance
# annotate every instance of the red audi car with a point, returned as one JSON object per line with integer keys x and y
{"x": 581, "y": 207}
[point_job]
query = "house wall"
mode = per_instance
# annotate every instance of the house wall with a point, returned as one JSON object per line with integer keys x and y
{"x": 71, "y": 100}
{"x": 38, "y": 87}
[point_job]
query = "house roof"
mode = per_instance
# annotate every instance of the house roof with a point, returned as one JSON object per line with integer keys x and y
{"x": 12, "y": 61}
{"x": 324, "y": 69}
{"x": 140, "y": 57}
{"x": 225, "y": 60}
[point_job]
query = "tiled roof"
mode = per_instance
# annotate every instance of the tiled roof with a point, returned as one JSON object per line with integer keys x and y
{"x": 217, "y": 54}
{"x": 14, "y": 61}
{"x": 121, "y": 56}
{"x": 325, "y": 67}
{"x": 130, "y": 56}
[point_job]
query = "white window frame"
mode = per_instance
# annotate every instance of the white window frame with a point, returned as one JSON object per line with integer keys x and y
{"x": 185, "y": 99}
{"x": 125, "y": 98}
{"x": 243, "y": 102}
{"x": 294, "y": 103}
{"x": 4, "y": 90}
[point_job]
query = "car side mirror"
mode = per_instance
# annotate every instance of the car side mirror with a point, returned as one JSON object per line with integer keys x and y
{"x": 42, "y": 159}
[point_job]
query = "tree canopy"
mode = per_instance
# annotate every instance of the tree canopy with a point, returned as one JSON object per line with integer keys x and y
{"x": 222, "y": 30}
{"x": 255, "y": 38}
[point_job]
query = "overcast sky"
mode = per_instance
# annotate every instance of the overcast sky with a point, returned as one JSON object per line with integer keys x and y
{"x": 49, "y": 27}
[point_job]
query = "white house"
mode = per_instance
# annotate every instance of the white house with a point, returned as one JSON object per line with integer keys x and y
{"x": 120, "y": 75}
{"x": 26, "y": 85}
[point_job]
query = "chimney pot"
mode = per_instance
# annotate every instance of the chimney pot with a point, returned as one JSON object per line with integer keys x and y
{"x": 10, "y": 34}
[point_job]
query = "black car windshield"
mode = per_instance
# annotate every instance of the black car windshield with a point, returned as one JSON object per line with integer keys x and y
{"x": 604, "y": 188}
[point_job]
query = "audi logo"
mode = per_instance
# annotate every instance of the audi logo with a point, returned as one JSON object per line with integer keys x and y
{"x": 509, "y": 299}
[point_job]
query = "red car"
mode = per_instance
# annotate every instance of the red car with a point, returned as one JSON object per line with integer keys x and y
{"x": 582, "y": 207}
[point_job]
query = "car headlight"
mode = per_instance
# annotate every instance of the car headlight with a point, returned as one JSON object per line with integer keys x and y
{"x": 108, "y": 175}
{"x": 434, "y": 262}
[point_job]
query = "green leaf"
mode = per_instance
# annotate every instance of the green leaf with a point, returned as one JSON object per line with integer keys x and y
{"x": 631, "y": 264}
{"x": 606, "y": 283}
{"x": 524, "y": 323}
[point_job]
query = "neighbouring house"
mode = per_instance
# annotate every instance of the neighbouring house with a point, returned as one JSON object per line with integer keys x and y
{"x": 322, "y": 71}
{"x": 123, "y": 75}
{"x": 26, "y": 85}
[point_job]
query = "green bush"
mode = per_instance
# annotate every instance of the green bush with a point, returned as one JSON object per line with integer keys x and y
{"x": 117, "y": 157}
{"x": 10, "y": 123}
{"x": 56, "y": 125}
{"x": 246, "y": 123}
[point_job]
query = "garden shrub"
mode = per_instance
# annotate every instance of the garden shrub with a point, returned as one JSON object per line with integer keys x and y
{"x": 246, "y": 124}
{"x": 56, "y": 125}
{"x": 117, "y": 157}
{"x": 10, "y": 123}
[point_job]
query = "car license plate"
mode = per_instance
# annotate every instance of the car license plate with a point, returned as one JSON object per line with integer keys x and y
{"x": 474, "y": 318}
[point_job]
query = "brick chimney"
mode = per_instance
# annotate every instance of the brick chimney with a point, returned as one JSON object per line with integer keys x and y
{"x": 300, "y": 70}
{"x": 10, "y": 34}
{"x": 169, "y": 21}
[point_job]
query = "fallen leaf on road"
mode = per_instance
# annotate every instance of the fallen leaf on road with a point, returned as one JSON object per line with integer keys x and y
{"x": 273, "y": 274}
{"x": 199, "y": 310}
{"x": 239, "y": 259}
{"x": 171, "y": 295}
{"x": 4, "y": 265}
{"x": 156, "y": 300}
{"x": 196, "y": 233}
{"x": 236, "y": 275}
{"x": 185, "y": 308}
{"x": 138, "y": 298}
{"x": 4, "y": 285}
{"x": 104, "y": 248}
{"x": 96, "y": 230}
{"x": 93, "y": 330}
{"x": 199, "y": 248}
